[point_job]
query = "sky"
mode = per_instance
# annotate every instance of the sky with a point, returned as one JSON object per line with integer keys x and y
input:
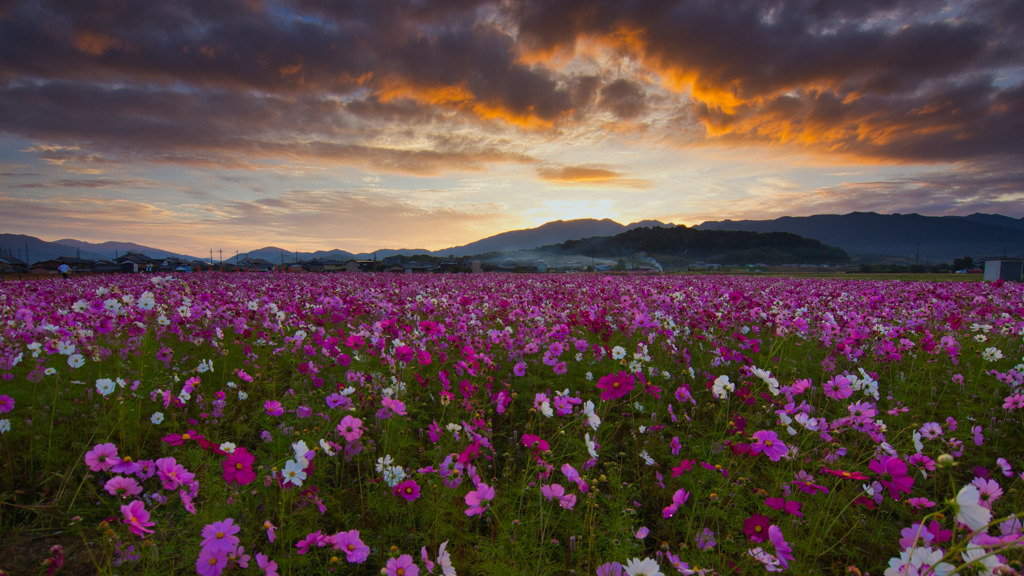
{"x": 192, "y": 125}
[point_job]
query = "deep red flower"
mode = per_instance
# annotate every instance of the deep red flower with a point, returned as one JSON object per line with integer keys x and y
{"x": 756, "y": 527}
{"x": 892, "y": 474}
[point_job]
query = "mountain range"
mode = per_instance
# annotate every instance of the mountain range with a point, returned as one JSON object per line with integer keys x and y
{"x": 866, "y": 236}
{"x": 908, "y": 238}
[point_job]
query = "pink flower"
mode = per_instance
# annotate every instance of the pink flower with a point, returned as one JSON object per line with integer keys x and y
{"x": 409, "y": 490}
{"x": 476, "y": 499}
{"x": 557, "y": 491}
{"x": 615, "y": 386}
{"x": 102, "y": 457}
{"x": 312, "y": 539}
{"x": 782, "y": 550}
{"x": 238, "y": 467}
{"x": 268, "y": 566}
{"x": 348, "y": 542}
{"x": 396, "y": 406}
{"x": 271, "y": 531}
{"x": 1014, "y": 402}
{"x": 838, "y": 388}
{"x": 211, "y": 562}
{"x": 273, "y": 408}
{"x": 172, "y": 474}
{"x": 6, "y": 403}
{"x": 350, "y": 428}
{"x": 402, "y": 566}
{"x": 123, "y": 487}
{"x": 678, "y": 499}
{"x": 767, "y": 442}
{"x": 220, "y": 535}
{"x": 137, "y": 518}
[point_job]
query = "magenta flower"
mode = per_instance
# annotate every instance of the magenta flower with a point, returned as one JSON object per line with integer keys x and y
{"x": 273, "y": 408}
{"x": 350, "y": 428}
{"x": 220, "y": 535}
{"x": 409, "y": 490}
{"x": 767, "y": 442}
{"x": 615, "y": 386}
{"x": 179, "y": 439}
{"x": 402, "y": 566}
{"x": 787, "y": 506}
{"x": 102, "y": 457}
{"x": 271, "y": 531}
{"x": 123, "y": 487}
{"x": 137, "y": 518}
{"x": 892, "y": 473}
{"x": 6, "y": 403}
{"x": 477, "y": 499}
{"x": 313, "y": 539}
{"x": 211, "y": 562}
{"x": 238, "y": 467}
{"x": 678, "y": 499}
{"x": 348, "y": 542}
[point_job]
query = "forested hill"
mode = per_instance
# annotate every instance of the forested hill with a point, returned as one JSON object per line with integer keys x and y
{"x": 720, "y": 246}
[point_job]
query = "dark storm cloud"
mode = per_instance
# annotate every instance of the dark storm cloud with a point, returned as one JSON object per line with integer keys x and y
{"x": 624, "y": 98}
{"x": 914, "y": 80}
{"x": 870, "y": 78}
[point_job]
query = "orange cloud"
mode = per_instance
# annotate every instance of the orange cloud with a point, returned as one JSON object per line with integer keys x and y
{"x": 93, "y": 43}
{"x": 588, "y": 176}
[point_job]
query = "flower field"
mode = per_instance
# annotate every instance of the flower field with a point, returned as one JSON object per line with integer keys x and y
{"x": 511, "y": 424}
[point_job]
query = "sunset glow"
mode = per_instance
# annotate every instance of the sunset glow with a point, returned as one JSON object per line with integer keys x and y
{"x": 395, "y": 124}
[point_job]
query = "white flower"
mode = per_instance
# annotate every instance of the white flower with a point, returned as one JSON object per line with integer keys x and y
{"x": 454, "y": 428}
{"x": 326, "y": 447}
{"x": 300, "y": 449}
{"x": 228, "y": 447}
{"x": 969, "y": 510}
{"x": 293, "y": 472}
{"x": 545, "y": 409}
{"x": 393, "y": 475}
{"x": 157, "y": 418}
{"x": 618, "y": 353}
{"x": 50, "y": 371}
{"x": 722, "y": 387}
{"x": 205, "y": 366}
{"x": 591, "y": 445}
{"x": 112, "y": 306}
{"x": 647, "y": 458}
{"x": 105, "y": 386}
{"x": 242, "y": 395}
{"x": 592, "y": 418}
{"x": 645, "y": 567}
{"x": 76, "y": 361}
{"x": 5, "y": 426}
{"x": 992, "y": 354}
{"x": 384, "y": 461}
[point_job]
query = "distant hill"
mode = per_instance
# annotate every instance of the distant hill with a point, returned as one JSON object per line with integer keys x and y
{"x": 869, "y": 236}
{"x": 680, "y": 246}
{"x": 38, "y": 250}
{"x": 546, "y": 234}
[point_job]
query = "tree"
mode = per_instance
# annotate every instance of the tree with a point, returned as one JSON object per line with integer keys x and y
{"x": 965, "y": 263}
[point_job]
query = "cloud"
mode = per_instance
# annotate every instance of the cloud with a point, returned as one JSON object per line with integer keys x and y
{"x": 589, "y": 176}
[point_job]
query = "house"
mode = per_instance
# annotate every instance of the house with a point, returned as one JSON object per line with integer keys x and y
{"x": 140, "y": 262}
{"x": 354, "y": 265}
{"x": 1007, "y": 269}
{"x": 10, "y": 264}
{"x": 255, "y": 265}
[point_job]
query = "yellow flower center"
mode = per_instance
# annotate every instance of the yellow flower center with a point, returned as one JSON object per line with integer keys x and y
{"x": 351, "y": 547}
{"x": 185, "y": 436}
{"x": 238, "y": 466}
{"x": 220, "y": 534}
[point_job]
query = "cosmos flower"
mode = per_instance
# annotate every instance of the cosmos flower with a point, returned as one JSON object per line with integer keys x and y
{"x": 137, "y": 518}
{"x": 614, "y": 386}
{"x": 477, "y": 500}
